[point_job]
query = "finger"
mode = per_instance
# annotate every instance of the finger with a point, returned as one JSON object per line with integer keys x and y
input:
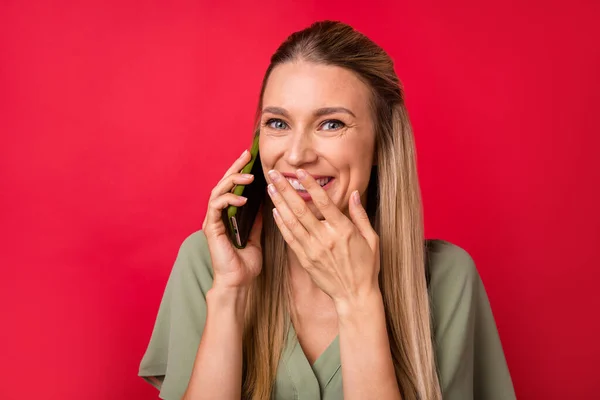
{"x": 288, "y": 218}
{"x": 296, "y": 204}
{"x": 216, "y": 206}
{"x": 227, "y": 183}
{"x": 361, "y": 218}
{"x": 321, "y": 199}
{"x": 256, "y": 230}
{"x": 287, "y": 234}
{"x": 238, "y": 164}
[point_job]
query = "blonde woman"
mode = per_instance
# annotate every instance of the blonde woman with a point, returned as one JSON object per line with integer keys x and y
{"x": 338, "y": 294}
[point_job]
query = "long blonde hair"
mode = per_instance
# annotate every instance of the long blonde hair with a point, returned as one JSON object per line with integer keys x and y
{"x": 394, "y": 207}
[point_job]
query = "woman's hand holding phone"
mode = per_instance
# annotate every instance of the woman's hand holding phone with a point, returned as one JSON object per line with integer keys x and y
{"x": 220, "y": 351}
{"x": 233, "y": 268}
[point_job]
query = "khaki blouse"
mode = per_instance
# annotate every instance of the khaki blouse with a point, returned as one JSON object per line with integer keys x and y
{"x": 470, "y": 359}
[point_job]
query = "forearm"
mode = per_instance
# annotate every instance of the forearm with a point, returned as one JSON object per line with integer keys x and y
{"x": 367, "y": 366}
{"x": 217, "y": 372}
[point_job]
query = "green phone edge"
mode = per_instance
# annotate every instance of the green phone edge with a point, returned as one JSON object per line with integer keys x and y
{"x": 239, "y": 190}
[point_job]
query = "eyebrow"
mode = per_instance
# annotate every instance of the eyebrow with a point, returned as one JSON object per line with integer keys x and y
{"x": 317, "y": 113}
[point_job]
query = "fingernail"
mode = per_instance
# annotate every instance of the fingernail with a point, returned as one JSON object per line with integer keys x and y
{"x": 301, "y": 174}
{"x": 272, "y": 189}
{"x": 244, "y": 153}
{"x": 243, "y": 199}
{"x": 356, "y": 197}
{"x": 274, "y": 175}
{"x": 246, "y": 176}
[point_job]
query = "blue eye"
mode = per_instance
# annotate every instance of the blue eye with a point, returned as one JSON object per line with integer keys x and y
{"x": 332, "y": 125}
{"x": 275, "y": 123}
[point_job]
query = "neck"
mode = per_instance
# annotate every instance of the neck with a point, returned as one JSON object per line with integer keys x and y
{"x": 308, "y": 300}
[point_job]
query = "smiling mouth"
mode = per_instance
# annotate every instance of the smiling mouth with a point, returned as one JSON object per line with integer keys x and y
{"x": 298, "y": 186}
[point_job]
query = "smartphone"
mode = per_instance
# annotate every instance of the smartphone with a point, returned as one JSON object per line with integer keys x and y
{"x": 239, "y": 220}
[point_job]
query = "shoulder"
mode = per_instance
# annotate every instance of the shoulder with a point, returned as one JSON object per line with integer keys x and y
{"x": 450, "y": 268}
{"x": 469, "y": 352}
{"x": 180, "y": 321}
{"x": 193, "y": 264}
{"x": 454, "y": 283}
{"x": 194, "y": 245}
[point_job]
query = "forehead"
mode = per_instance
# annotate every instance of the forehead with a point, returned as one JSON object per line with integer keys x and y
{"x": 299, "y": 86}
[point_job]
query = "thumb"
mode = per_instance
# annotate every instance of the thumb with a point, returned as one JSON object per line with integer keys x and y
{"x": 256, "y": 230}
{"x": 360, "y": 217}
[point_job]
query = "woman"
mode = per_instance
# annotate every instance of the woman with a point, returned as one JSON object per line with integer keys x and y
{"x": 337, "y": 295}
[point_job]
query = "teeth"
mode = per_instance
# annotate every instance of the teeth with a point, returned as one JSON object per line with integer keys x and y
{"x": 295, "y": 184}
{"x": 322, "y": 181}
{"x": 298, "y": 186}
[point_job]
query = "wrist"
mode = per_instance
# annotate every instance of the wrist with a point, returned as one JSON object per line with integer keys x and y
{"x": 227, "y": 301}
{"x": 360, "y": 308}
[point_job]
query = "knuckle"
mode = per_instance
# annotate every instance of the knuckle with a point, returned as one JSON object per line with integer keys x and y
{"x": 231, "y": 197}
{"x": 310, "y": 257}
{"x": 292, "y": 223}
{"x": 300, "y": 211}
{"x": 282, "y": 188}
{"x": 362, "y": 214}
{"x": 277, "y": 200}
{"x": 214, "y": 203}
{"x": 346, "y": 234}
{"x": 291, "y": 240}
{"x": 215, "y": 192}
{"x": 311, "y": 254}
{"x": 322, "y": 202}
{"x": 307, "y": 265}
{"x": 320, "y": 252}
{"x": 288, "y": 237}
{"x": 326, "y": 244}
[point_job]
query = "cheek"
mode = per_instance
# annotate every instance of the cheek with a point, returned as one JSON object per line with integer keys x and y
{"x": 268, "y": 152}
{"x": 356, "y": 156}
{"x": 358, "y": 161}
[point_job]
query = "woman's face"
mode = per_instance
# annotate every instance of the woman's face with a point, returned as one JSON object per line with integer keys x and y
{"x": 317, "y": 117}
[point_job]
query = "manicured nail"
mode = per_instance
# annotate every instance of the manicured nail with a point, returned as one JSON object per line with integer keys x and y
{"x": 274, "y": 175}
{"x": 301, "y": 174}
{"x": 247, "y": 176}
{"x": 275, "y": 213}
{"x": 272, "y": 189}
{"x": 356, "y": 197}
{"x": 244, "y": 153}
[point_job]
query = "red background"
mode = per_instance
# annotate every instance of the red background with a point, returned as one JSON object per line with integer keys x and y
{"x": 118, "y": 117}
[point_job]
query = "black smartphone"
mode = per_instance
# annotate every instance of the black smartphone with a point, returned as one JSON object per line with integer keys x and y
{"x": 239, "y": 220}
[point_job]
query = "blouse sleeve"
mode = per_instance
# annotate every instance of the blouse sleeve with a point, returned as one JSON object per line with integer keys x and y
{"x": 470, "y": 358}
{"x": 169, "y": 358}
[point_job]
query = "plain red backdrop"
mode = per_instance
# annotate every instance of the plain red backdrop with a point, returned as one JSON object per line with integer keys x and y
{"x": 118, "y": 117}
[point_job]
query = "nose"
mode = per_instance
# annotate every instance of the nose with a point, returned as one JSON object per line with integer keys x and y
{"x": 301, "y": 150}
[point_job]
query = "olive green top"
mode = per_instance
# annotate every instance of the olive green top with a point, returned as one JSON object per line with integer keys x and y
{"x": 469, "y": 354}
